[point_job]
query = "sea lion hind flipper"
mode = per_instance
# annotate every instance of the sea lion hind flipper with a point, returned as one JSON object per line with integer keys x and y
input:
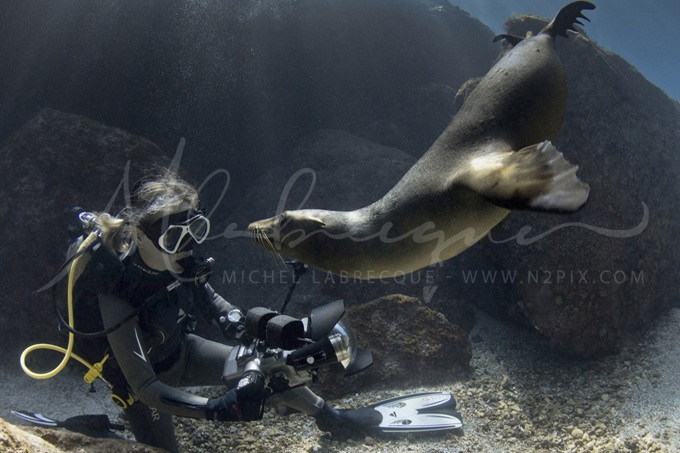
{"x": 537, "y": 178}
{"x": 566, "y": 18}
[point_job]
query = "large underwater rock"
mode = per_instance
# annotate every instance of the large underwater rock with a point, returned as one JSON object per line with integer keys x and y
{"x": 54, "y": 162}
{"x": 593, "y": 280}
{"x": 412, "y": 345}
{"x": 16, "y": 439}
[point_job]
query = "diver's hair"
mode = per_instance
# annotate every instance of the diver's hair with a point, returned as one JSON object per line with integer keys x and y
{"x": 150, "y": 196}
{"x": 115, "y": 233}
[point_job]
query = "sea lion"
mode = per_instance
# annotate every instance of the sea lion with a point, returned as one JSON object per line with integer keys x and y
{"x": 494, "y": 156}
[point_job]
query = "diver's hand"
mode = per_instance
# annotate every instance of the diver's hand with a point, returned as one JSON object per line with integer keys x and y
{"x": 224, "y": 408}
{"x": 243, "y": 403}
{"x": 252, "y": 393}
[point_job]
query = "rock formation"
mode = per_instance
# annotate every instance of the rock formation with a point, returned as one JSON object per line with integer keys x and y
{"x": 593, "y": 280}
{"x": 18, "y": 439}
{"x": 412, "y": 345}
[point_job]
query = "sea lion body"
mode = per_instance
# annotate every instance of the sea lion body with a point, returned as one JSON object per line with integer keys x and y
{"x": 520, "y": 101}
{"x": 494, "y": 156}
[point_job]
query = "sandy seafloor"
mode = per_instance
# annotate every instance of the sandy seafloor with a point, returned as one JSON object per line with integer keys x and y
{"x": 520, "y": 396}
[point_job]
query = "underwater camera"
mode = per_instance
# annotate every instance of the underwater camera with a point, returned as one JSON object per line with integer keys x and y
{"x": 285, "y": 352}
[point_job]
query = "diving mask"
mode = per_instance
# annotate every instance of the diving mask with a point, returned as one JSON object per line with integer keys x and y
{"x": 175, "y": 232}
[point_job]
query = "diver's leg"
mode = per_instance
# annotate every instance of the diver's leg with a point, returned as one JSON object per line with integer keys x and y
{"x": 204, "y": 362}
{"x": 152, "y": 427}
{"x": 341, "y": 422}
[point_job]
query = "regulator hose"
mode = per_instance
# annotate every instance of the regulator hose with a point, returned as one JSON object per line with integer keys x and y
{"x": 95, "y": 370}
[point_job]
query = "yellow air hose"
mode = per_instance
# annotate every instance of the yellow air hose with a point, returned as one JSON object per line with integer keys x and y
{"x": 95, "y": 370}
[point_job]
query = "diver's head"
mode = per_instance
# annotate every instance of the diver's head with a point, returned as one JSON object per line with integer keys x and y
{"x": 165, "y": 220}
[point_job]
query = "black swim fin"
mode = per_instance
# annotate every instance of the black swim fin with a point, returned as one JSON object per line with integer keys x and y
{"x": 92, "y": 425}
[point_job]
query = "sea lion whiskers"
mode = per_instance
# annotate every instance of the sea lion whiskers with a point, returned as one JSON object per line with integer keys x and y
{"x": 261, "y": 238}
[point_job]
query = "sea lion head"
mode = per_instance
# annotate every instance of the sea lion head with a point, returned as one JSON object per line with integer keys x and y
{"x": 296, "y": 234}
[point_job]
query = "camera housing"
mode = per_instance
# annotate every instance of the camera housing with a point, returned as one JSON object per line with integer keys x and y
{"x": 288, "y": 351}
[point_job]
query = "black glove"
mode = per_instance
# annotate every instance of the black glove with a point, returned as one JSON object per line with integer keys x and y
{"x": 244, "y": 403}
{"x": 251, "y": 395}
{"x": 224, "y": 408}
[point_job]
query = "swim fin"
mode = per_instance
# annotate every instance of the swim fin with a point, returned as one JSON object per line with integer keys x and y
{"x": 420, "y": 412}
{"x": 431, "y": 411}
{"x": 91, "y": 425}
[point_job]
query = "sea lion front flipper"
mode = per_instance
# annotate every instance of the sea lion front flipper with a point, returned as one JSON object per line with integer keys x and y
{"x": 513, "y": 40}
{"x": 537, "y": 177}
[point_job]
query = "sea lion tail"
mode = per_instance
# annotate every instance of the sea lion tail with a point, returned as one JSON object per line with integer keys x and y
{"x": 536, "y": 177}
{"x": 567, "y": 18}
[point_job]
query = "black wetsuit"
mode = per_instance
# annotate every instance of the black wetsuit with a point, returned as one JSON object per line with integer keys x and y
{"x": 156, "y": 352}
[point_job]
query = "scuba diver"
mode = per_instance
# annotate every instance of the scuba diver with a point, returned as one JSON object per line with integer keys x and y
{"x": 140, "y": 290}
{"x": 155, "y": 352}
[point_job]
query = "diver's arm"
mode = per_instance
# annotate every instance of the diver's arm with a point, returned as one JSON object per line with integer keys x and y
{"x": 128, "y": 347}
{"x": 217, "y": 309}
{"x": 220, "y": 305}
